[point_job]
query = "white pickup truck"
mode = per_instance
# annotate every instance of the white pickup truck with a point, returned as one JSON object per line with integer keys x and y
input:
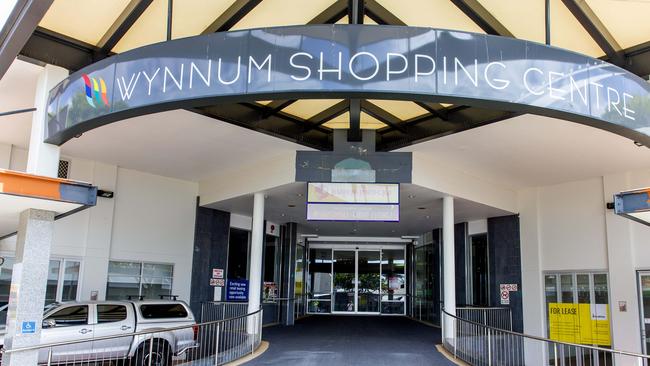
{"x": 92, "y": 321}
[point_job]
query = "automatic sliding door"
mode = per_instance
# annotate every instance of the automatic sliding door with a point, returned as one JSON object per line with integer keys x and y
{"x": 344, "y": 281}
{"x": 368, "y": 281}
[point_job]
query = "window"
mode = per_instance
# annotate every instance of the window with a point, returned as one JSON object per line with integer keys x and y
{"x": 62, "y": 280}
{"x": 393, "y": 281}
{"x": 137, "y": 279}
{"x": 272, "y": 262}
{"x": 110, "y": 313}
{"x": 163, "y": 311}
{"x": 320, "y": 281}
{"x": 238, "y": 254}
{"x": 577, "y": 309}
{"x": 70, "y": 316}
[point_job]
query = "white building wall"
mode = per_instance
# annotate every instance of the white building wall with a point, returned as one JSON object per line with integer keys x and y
{"x": 5, "y": 156}
{"x": 18, "y": 159}
{"x": 154, "y": 222}
{"x": 567, "y": 227}
{"x": 150, "y": 219}
{"x": 572, "y": 226}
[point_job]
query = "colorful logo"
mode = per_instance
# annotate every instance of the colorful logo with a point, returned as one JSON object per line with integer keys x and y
{"x": 95, "y": 91}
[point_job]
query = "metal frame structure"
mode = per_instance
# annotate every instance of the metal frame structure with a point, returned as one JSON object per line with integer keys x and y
{"x": 45, "y": 46}
{"x": 356, "y": 248}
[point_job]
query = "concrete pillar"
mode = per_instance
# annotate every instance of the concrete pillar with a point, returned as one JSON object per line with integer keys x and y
{"x": 43, "y": 159}
{"x": 28, "y": 283}
{"x": 532, "y": 281}
{"x": 449, "y": 266}
{"x": 257, "y": 250}
{"x": 626, "y": 325}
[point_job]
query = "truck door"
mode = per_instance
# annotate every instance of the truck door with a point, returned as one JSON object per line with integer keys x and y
{"x": 68, "y": 323}
{"x": 113, "y": 319}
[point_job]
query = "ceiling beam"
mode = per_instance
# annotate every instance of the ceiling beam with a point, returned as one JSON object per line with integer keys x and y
{"x": 236, "y": 12}
{"x": 278, "y": 105}
{"x": 381, "y": 15}
{"x": 327, "y": 115}
{"x": 381, "y": 114}
{"x": 18, "y": 27}
{"x": 596, "y": 29}
{"x": 482, "y": 17}
{"x": 435, "y": 109}
{"x": 332, "y": 14}
{"x": 286, "y": 127}
{"x": 637, "y": 59}
{"x": 431, "y": 128}
{"x": 354, "y": 131}
{"x": 356, "y": 11}
{"x": 121, "y": 25}
{"x": 56, "y": 49}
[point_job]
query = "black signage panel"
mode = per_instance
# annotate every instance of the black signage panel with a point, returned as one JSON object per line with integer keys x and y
{"x": 339, "y": 61}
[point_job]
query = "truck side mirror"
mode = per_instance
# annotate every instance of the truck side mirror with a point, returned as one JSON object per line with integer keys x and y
{"x": 49, "y": 323}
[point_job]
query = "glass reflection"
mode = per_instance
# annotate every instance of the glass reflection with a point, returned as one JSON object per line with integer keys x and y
{"x": 368, "y": 282}
{"x": 393, "y": 281}
{"x": 320, "y": 280}
{"x": 344, "y": 277}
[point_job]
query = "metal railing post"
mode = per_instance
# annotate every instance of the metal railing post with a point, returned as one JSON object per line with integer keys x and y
{"x": 216, "y": 348}
{"x": 49, "y": 357}
{"x": 489, "y": 345}
{"x": 555, "y": 353}
{"x": 150, "y": 349}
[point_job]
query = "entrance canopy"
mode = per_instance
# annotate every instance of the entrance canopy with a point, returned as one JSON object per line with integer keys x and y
{"x": 466, "y": 73}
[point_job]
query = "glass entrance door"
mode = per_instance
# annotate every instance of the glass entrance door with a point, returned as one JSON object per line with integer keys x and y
{"x": 368, "y": 284}
{"x": 344, "y": 281}
{"x": 644, "y": 294}
{"x": 356, "y": 281}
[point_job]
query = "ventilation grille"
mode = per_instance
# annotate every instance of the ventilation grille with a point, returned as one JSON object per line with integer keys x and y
{"x": 64, "y": 169}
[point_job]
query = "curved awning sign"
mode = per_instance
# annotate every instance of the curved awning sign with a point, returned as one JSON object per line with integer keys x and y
{"x": 343, "y": 61}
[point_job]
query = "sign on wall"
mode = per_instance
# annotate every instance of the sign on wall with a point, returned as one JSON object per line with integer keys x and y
{"x": 237, "y": 290}
{"x": 504, "y": 292}
{"x": 579, "y": 323}
{"x": 339, "y": 61}
{"x": 217, "y": 273}
{"x": 353, "y": 202}
{"x": 352, "y": 193}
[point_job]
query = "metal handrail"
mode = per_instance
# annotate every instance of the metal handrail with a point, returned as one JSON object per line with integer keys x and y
{"x": 144, "y": 332}
{"x": 523, "y": 335}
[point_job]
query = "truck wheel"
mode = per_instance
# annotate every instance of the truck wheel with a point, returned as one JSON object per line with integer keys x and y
{"x": 161, "y": 354}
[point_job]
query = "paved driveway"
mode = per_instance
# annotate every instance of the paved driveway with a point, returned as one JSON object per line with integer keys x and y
{"x": 352, "y": 340}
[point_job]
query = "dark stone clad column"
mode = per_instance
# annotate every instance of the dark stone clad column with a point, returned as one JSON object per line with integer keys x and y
{"x": 505, "y": 264}
{"x": 210, "y": 251}
{"x": 436, "y": 275}
{"x": 288, "y": 241}
{"x": 460, "y": 237}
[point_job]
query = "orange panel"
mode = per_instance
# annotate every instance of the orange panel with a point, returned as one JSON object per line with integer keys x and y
{"x": 29, "y": 185}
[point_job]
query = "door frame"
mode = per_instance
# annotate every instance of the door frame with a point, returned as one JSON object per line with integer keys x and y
{"x": 356, "y": 285}
{"x": 379, "y": 246}
{"x": 356, "y": 282}
{"x": 642, "y": 317}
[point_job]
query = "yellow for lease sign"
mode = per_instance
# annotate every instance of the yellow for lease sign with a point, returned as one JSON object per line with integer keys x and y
{"x": 579, "y": 323}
